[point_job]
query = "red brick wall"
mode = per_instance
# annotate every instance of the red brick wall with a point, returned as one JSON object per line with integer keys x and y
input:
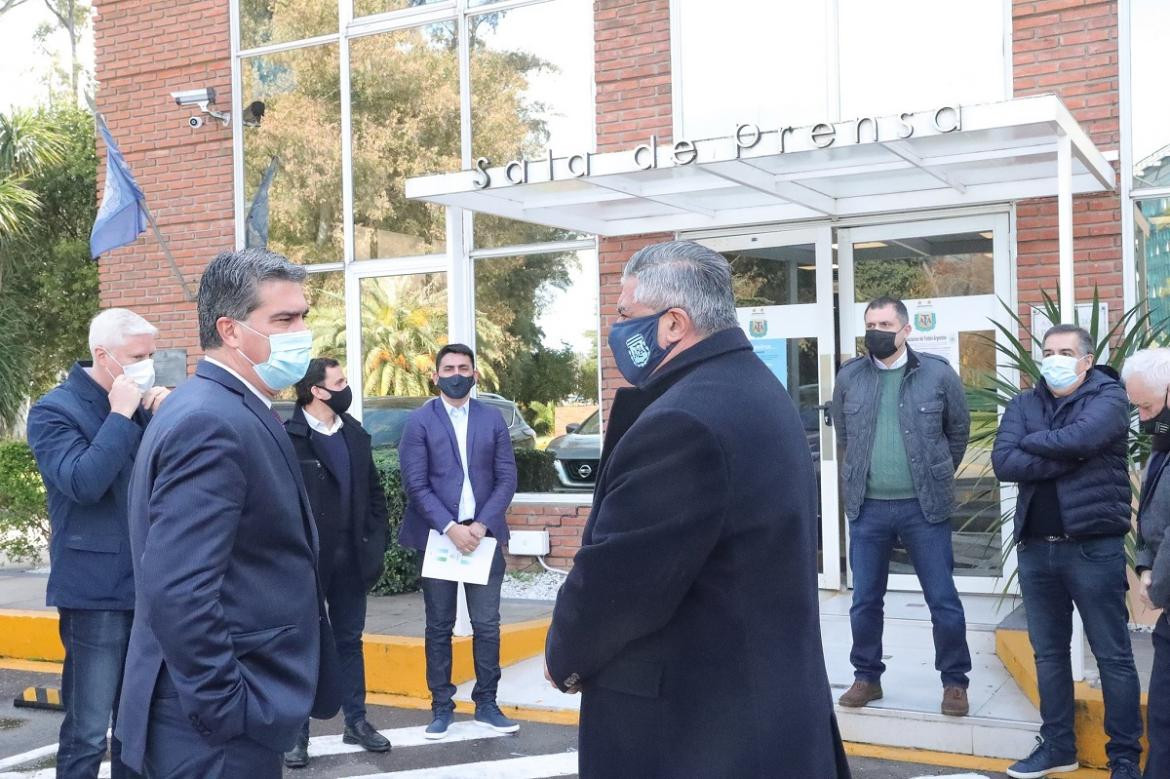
{"x": 145, "y": 50}
{"x": 1069, "y": 48}
{"x": 632, "y": 60}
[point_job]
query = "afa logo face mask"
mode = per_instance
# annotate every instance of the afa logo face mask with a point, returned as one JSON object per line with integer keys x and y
{"x": 635, "y": 348}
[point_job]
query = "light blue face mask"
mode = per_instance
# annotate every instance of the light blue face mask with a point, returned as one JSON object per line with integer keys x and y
{"x": 1059, "y": 371}
{"x": 288, "y": 358}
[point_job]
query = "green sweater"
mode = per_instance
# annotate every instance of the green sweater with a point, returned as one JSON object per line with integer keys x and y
{"x": 889, "y": 471}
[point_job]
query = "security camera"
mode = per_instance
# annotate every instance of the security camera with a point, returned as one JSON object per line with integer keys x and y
{"x": 200, "y": 97}
{"x": 195, "y": 122}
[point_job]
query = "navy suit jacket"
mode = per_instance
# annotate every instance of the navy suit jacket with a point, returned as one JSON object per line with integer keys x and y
{"x": 432, "y": 471}
{"x": 85, "y": 455}
{"x": 225, "y": 564}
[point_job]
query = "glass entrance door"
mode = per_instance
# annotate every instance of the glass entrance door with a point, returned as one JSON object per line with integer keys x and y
{"x": 784, "y": 295}
{"x": 951, "y": 273}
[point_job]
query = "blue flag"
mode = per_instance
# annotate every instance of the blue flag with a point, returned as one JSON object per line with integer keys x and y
{"x": 256, "y": 223}
{"x": 121, "y": 218}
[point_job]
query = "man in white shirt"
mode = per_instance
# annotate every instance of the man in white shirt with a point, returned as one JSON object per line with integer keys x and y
{"x": 459, "y": 472}
{"x": 349, "y": 506}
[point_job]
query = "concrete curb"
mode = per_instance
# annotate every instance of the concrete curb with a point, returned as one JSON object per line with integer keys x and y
{"x": 1015, "y": 652}
{"x": 394, "y": 664}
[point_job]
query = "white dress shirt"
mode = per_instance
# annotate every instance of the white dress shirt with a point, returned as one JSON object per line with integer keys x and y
{"x": 458, "y": 415}
{"x": 266, "y": 400}
{"x": 321, "y": 427}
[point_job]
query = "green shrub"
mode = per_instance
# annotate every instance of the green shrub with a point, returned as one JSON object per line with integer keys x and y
{"x": 401, "y": 573}
{"x": 24, "y": 516}
{"x": 534, "y": 471}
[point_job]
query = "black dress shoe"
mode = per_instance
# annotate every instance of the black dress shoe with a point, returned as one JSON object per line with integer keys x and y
{"x": 298, "y": 756}
{"x": 363, "y": 733}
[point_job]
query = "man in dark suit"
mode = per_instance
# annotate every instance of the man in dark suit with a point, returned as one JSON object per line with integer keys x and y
{"x": 459, "y": 472}
{"x": 230, "y": 641}
{"x": 349, "y": 505}
{"x": 689, "y": 621}
{"x": 84, "y": 435}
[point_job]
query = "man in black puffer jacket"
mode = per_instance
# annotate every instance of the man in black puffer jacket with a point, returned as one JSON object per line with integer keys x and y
{"x": 1064, "y": 442}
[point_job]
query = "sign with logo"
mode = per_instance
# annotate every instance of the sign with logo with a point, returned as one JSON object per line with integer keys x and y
{"x": 757, "y": 322}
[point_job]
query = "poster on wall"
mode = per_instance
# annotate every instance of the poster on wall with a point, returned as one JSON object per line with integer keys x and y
{"x": 929, "y": 334}
{"x": 761, "y": 323}
{"x": 1041, "y": 323}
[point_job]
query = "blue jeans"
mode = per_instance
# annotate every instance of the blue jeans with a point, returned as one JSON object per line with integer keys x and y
{"x": 440, "y": 598}
{"x": 346, "y": 599}
{"x": 95, "y": 651}
{"x": 1054, "y": 575}
{"x": 872, "y": 535}
{"x": 1158, "y": 713}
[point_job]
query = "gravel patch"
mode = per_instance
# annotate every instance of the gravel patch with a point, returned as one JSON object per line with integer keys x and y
{"x": 527, "y": 585}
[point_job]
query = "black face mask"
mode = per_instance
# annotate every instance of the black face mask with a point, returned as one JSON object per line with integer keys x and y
{"x": 456, "y": 387}
{"x": 881, "y": 343}
{"x": 338, "y": 401}
{"x": 1159, "y": 428}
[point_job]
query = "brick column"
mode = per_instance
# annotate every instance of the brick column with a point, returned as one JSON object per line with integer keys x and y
{"x": 1069, "y": 48}
{"x": 145, "y": 50}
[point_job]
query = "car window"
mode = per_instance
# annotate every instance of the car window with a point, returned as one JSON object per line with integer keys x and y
{"x": 385, "y": 426}
{"x": 591, "y": 426}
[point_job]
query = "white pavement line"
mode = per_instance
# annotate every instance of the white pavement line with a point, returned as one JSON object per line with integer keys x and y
{"x": 404, "y": 737}
{"x": 27, "y": 757}
{"x": 51, "y": 773}
{"x": 535, "y": 767}
{"x": 953, "y": 776}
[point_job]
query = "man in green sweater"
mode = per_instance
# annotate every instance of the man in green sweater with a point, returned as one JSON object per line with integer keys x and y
{"x": 902, "y": 428}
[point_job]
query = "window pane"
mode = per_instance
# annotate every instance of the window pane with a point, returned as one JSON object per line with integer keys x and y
{"x": 299, "y": 140}
{"x": 531, "y": 89}
{"x": 935, "y": 266}
{"x": 405, "y": 93}
{"x": 1149, "y": 23}
{"x": 368, "y": 7}
{"x": 271, "y": 21}
{"x": 910, "y": 55}
{"x": 1152, "y": 253}
{"x": 724, "y": 65}
{"x": 774, "y": 276}
{"x": 536, "y": 322}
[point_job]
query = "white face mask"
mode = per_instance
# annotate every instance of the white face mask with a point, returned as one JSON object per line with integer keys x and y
{"x": 141, "y": 372}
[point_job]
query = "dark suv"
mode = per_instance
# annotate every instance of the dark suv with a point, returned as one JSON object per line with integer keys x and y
{"x": 577, "y": 454}
{"x": 385, "y": 417}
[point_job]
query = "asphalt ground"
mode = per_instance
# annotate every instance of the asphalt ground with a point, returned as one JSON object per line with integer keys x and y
{"x": 538, "y": 750}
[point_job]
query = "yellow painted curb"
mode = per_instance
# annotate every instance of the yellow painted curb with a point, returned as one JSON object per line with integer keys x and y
{"x": 524, "y": 713}
{"x": 29, "y": 634}
{"x": 949, "y": 759}
{"x": 1015, "y": 652}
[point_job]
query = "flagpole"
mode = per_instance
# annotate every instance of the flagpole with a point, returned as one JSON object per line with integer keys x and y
{"x": 167, "y": 251}
{"x": 162, "y": 242}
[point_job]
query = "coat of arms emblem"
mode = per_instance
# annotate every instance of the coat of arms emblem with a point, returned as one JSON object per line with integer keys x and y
{"x": 758, "y": 326}
{"x": 925, "y": 321}
{"x": 639, "y": 350}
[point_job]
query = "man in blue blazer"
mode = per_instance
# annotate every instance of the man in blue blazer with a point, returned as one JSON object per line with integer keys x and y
{"x": 230, "y": 642}
{"x": 84, "y": 435}
{"x": 459, "y": 472}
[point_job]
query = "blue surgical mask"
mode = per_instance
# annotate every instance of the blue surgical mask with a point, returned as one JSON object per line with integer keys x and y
{"x": 635, "y": 348}
{"x": 1059, "y": 371}
{"x": 288, "y": 358}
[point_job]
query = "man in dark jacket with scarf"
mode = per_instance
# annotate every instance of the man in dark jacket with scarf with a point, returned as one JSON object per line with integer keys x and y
{"x": 1064, "y": 442}
{"x": 689, "y": 622}
{"x": 1147, "y": 382}
{"x": 349, "y": 505}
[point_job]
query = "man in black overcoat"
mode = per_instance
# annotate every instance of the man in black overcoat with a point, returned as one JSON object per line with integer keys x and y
{"x": 689, "y": 622}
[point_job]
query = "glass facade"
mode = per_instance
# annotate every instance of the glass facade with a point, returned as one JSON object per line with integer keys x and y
{"x": 361, "y": 95}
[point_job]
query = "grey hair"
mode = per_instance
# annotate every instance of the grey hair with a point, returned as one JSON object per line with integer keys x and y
{"x": 1084, "y": 340}
{"x": 1153, "y": 365}
{"x": 685, "y": 275}
{"x": 112, "y": 327}
{"x": 230, "y": 287}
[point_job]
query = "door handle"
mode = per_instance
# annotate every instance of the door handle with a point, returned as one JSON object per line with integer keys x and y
{"x": 827, "y": 408}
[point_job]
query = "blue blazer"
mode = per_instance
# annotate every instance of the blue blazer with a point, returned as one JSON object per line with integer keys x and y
{"x": 85, "y": 455}
{"x": 432, "y": 471}
{"x": 225, "y": 563}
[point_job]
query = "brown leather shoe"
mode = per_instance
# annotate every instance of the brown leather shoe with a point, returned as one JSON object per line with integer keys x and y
{"x": 860, "y": 694}
{"x": 954, "y": 702}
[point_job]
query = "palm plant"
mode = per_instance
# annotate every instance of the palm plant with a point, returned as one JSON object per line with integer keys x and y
{"x": 28, "y": 143}
{"x": 1134, "y": 330}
